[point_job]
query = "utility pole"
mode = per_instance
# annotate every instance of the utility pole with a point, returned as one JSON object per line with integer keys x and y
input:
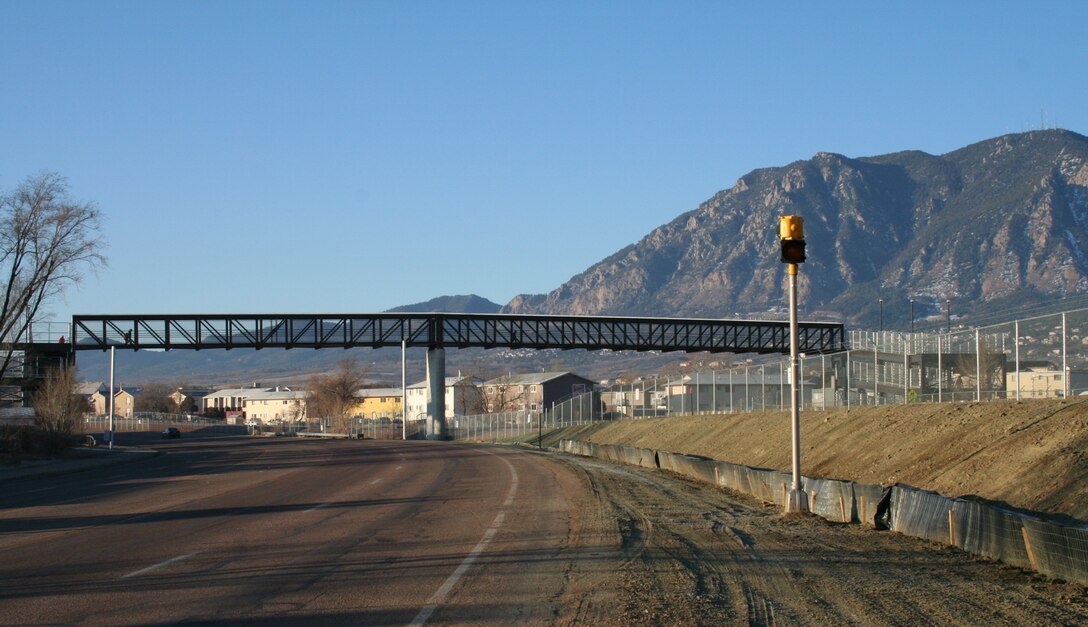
{"x": 791, "y": 234}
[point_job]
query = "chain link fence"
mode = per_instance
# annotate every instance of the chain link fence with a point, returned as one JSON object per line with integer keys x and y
{"x": 154, "y": 421}
{"x": 575, "y": 409}
{"x": 1039, "y": 357}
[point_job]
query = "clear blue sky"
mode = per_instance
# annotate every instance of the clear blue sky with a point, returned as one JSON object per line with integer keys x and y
{"x": 355, "y": 156}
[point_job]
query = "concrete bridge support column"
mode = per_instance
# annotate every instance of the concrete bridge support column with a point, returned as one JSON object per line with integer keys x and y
{"x": 436, "y": 389}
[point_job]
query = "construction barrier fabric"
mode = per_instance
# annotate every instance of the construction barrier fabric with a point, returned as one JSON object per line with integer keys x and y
{"x": 866, "y": 499}
{"x": 833, "y": 500}
{"x": 1019, "y": 539}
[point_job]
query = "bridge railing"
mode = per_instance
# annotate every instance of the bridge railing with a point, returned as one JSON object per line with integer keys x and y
{"x": 44, "y": 333}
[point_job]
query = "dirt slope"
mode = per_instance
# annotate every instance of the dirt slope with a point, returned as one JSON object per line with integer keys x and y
{"x": 1029, "y": 454}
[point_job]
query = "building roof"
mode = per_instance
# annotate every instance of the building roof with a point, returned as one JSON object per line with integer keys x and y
{"x": 450, "y": 382}
{"x": 277, "y": 395}
{"x": 236, "y": 392}
{"x": 737, "y": 378}
{"x": 194, "y": 391}
{"x": 88, "y": 388}
{"x": 378, "y": 392}
{"x": 531, "y": 378}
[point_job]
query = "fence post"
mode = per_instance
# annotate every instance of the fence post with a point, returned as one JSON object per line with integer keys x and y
{"x": 906, "y": 371}
{"x": 698, "y": 406}
{"x": 730, "y": 390}
{"x": 1065, "y": 367}
{"x": 848, "y": 380}
{"x": 763, "y": 387}
{"x": 940, "y": 370}
{"x": 747, "y": 405}
{"x": 978, "y": 367}
{"x": 781, "y": 386}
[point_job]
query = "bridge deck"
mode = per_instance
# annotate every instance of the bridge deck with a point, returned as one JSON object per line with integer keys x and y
{"x": 434, "y": 330}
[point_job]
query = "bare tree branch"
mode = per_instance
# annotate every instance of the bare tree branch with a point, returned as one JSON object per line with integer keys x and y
{"x": 332, "y": 396}
{"x": 47, "y": 241}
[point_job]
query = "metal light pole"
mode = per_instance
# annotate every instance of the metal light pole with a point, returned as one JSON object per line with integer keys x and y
{"x": 111, "y": 397}
{"x": 912, "y": 315}
{"x": 792, "y": 238}
{"x": 948, "y": 313}
{"x": 403, "y": 391}
{"x": 881, "y": 314}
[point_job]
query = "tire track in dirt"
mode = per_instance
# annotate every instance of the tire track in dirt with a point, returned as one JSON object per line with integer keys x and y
{"x": 689, "y": 553}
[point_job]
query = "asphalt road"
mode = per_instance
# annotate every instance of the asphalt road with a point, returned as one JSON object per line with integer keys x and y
{"x": 235, "y": 530}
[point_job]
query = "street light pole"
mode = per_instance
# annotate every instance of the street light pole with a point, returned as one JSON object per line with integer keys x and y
{"x": 948, "y": 313}
{"x": 798, "y": 499}
{"x": 912, "y": 315}
{"x": 792, "y": 238}
{"x": 112, "y": 396}
{"x": 881, "y": 314}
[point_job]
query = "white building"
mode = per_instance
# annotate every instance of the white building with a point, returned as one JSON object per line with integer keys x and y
{"x": 463, "y": 398}
{"x": 229, "y": 399}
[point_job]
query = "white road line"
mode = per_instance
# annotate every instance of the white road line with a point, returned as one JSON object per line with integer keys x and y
{"x": 172, "y": 560}
{"x": 440, "y": 595}
{"x": 376, "y": 481}
{"x": 317, "y": 507}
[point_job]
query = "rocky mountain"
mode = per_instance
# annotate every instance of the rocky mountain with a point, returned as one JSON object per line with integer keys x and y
{"x": 996, "y": 224}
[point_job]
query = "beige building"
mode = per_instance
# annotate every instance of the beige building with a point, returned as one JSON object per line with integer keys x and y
{"x": 378, "y": 403}
{"x": 124, "y": 403}
{"x": 1036, "y": 382}
{"x": 189, "y": 399}
{"x": 275, "y": 406}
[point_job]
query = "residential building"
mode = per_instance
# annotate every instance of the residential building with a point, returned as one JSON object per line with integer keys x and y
{"x": 87, "y": 390}
{"x": 1042, "y": 379}
{"x": 462, "y": 398}
{"x": 533, "y": 392}
{"x": 124, "y": 401}
{"x": 377, "y": 403}
{"x": 189, "y": 399}
{"x": 275, "y": 406}
{"x": 229, "y": 400}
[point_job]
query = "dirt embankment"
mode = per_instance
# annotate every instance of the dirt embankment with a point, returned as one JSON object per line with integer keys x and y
{"x": 1029, "y": 454}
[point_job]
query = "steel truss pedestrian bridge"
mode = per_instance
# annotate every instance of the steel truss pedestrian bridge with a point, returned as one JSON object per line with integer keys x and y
{"x": 444, "y": 330}
{"x": 438, "y": 331}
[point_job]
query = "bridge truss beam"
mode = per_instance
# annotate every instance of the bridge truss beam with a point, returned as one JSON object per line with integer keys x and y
{"x": 442, "y": 330}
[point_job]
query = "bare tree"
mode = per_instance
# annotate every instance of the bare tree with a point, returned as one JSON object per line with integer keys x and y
{"x": 332, "y": 395}
{"x": 503, "y": 394}
{"x": 46, "y": 241}
{"x": 468, "y": 396}
{"x": 57, "y": 407}
{"x": 155, "y": 397}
